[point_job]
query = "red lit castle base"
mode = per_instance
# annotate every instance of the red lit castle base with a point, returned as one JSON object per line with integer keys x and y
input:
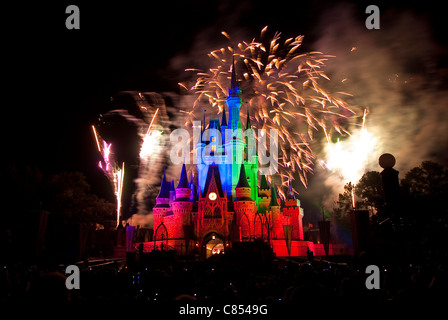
{"x": 298, "y": 248}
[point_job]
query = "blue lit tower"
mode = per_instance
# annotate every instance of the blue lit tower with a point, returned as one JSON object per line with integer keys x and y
{"x": 234, "y": 144}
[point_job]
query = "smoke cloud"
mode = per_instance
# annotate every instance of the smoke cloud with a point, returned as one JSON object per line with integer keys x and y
{"x": 395, "y": 73}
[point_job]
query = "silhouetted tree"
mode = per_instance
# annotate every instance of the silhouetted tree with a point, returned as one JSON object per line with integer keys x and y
{"x": 67, "y": 194}
{"x": 370, "y": 190}
{"x": 425, "y": 190}
{"x": 344, "y": 203}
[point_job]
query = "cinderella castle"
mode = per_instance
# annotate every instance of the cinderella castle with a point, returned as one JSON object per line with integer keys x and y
{"x": 227, "y": 201}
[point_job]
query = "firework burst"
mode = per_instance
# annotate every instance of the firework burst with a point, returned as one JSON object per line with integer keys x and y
{"x": 113, "y": 172}
{"x": 281, "y": 87}
{"x": 348, "y": 158}
{"x": 150, "y": 140}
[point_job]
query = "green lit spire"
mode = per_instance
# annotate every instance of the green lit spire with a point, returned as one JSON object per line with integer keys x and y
{"x": 274, "y": 201}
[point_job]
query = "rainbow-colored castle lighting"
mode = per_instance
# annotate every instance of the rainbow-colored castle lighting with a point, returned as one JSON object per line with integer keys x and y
{"x": 226, "y": 201}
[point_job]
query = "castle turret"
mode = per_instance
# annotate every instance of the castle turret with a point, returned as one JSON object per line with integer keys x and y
{"x": 223, "y": 126}
{"x": 172, "y": 192}
{"x": 163, "y": 198}
{"x": 294, "y": 213}
{"x": 182, "y": 205}
{"x": 183, "y": 188}
{"x": 162, "y": 207}
{"x": 275, "y": 215}
{"x": 244, "y": 207}
{"x": 264, "y": 195}
{"x": 201, "y": 165}
{"x": 251, "y": 158}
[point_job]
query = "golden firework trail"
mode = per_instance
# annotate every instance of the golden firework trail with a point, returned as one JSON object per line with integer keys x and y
{"x": 150, "y": 125}
{"x": 96, "y": 138}
{"x": 150, "y": 139}
{"x": 281, "y": 88}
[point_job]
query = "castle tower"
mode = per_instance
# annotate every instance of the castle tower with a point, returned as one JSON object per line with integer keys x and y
{"x": 234, "y": 101}
{"x": 275, "y": 215}
{"x": 161, "y": 209}
{"x": 172, "y": 192}
{"x": 181, "y": 206}
{"x": 264, "y": 195}
{"x": 294, "y": 212}
{"x": 201, "y": 166}
{"x": 234, "y": 145}
{"x": 244, "y": 207}
{"x": 225, "y": 169}
{"x": 224, "y": 199}
{"x": 251, "y": 159}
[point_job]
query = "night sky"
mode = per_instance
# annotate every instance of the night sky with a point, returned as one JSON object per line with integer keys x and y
{"x": 58, "y": 81}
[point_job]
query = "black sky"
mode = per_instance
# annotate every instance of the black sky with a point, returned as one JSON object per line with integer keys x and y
{"x": 58, "y": 81}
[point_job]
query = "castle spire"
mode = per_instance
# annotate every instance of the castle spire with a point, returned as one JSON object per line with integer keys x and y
{"x": 248, "y": 125}
{"x": 224, "y": 118}
{"x": 234, "y": 101}
{"x": 291, "y": 193}
{"x": 234, "y": 87}
{"x": 263, "y": 182}
{"x": 242, "y": 182}
{"x": 164, "y": 189}
{"x": 183, "y": 182}
{"x": 274, "y": 201}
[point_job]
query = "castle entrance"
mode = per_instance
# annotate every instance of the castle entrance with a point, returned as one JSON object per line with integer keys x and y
{"x": 213, "y": 243}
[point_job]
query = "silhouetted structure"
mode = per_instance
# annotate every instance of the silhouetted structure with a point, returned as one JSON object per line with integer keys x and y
{"x": 391, "y": 185}
{"x": 360, "y": 226}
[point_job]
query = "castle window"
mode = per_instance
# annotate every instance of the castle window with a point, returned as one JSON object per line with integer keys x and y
{"x": 217, "y": 212}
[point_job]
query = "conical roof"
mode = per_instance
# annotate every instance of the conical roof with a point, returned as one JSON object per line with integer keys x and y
{"x": 234, "y": 87}
{"x": 164, "y": 189}
{"x": 183, "y": 182}
{"x": 224, "y": 119}
{"x": 242, "y": 182}
{"x": 274, "y": 201}
{"x": 263, "y": 182}
{"x": 248, "y": 125}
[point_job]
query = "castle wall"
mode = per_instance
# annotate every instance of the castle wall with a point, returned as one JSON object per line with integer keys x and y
{"x": 299, "y": 248}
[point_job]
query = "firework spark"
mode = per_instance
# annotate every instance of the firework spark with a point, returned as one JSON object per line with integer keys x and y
{"x": 281, "y": 87}
{"x": 114, "y": 173}
{"x": 349, "y": 157}
{"x": 150, "y": 140}
{"x": 118, "y": 183}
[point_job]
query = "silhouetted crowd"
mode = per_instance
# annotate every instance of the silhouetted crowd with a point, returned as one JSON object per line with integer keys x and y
{"x": 215, "y": 280}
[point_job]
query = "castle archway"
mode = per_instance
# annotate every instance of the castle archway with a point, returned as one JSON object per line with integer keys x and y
{"x": 161, "y": 237}
{"x": 212, "y": 244}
